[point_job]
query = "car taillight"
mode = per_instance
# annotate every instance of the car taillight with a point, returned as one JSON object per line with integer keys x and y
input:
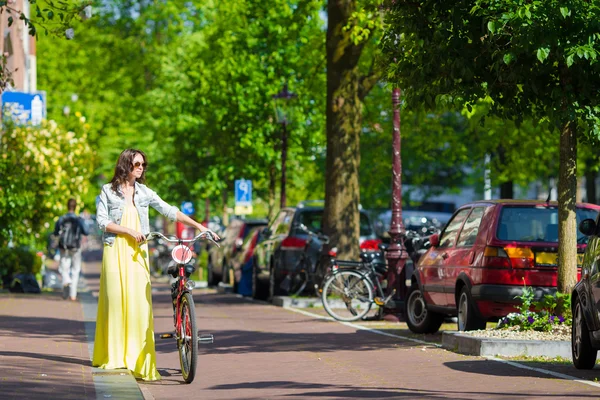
{"x": 507, "y": 257}
{"x": 496, "y": 257}
{"x": 370, "y": 245}
{"x": 520, "y": 257}
{"x": 292, "y": 243}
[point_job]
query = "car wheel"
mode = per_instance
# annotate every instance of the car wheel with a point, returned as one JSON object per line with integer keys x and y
{"x": 258, "y": 291}
{"x": 225, "y": 275}
{"x": 418, "y": 318}
{"x": 468, "y": 320}
{"x": 211, "y": 279}
{"x": 584, "y": 355}
{"x": 273, "y": 285}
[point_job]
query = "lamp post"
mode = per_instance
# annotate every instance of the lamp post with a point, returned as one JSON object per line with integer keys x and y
{"x": 396, "y": 254}
{"x": 280, "y": 103}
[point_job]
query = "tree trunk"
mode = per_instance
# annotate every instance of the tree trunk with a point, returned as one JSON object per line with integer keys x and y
{"x": 506, "y": 190}
{"x": 567, "y": 228}
{"x": 590, "y": 182}
{"x": 344, "y": 115}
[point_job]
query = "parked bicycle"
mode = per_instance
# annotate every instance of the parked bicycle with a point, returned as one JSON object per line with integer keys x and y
{"x": 311, "y": 266}
{"x": 184, "y": 313}
{"x": 351, "y": 288}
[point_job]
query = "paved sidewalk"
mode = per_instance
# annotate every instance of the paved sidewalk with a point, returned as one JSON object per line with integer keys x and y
{"x": 46, "y": 345}
{"x": 43, "y": 348}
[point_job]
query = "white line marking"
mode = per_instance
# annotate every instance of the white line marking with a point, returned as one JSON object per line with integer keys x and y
{"x": 545, "y": 371}
{"x": 364, "y": 328}
{"x": 514, "y": 364}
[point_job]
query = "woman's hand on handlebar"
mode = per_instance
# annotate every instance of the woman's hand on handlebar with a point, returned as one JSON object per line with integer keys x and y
{"x": 215, "y": 237}
{"x": 137, "y": 236}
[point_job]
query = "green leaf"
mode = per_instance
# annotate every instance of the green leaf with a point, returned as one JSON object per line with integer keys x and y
{"x": 542, "y": 53}
{"x": 570, "y": 60}
{"x": 528, "y": 13}
{"x": 492, "y": 26}
{"x": 508, "y": 58}
{"x": 10, "y": 21}
{"x": 565, "y": 12}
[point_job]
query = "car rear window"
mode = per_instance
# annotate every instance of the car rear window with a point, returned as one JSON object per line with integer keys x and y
{"x": 313, "y": 220}
{"x": 535, "y": 223}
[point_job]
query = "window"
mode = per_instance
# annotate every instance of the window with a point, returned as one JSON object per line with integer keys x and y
{"x": 285, "y": 220}
{"x": 313, "y": 220}
{"x": 277, "y": 221}
{"x": 468, "y": 235}
{"x": 449, "y": 235}
{"x": 535, "y": 223}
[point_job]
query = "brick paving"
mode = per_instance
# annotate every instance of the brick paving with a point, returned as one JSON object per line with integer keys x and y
{"x": 260, "y": 352}
{"x": 43, "y": 348}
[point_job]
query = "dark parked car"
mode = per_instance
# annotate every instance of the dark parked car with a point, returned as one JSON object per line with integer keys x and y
{"x": 478, "y": 264}
{"x": 219, "y": 258}
{"x": 283, "y": 241}
{"x": 585, "y": 301}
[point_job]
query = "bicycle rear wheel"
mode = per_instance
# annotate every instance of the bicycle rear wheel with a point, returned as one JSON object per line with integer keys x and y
{"x": 347, "y": 295}
{"x": 187, "y": 342}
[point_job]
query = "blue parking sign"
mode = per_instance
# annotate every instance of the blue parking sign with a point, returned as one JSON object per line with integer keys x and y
{"x": 243, "y": 192}
{"x": 23, "y": 107}
{"x": 187, "y": 207}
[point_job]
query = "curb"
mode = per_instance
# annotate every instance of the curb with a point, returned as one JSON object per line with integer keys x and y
{"x": 224, "y": 288}
{"x": 304, "y": 302}
{"x": 119, "y": 383}
{"x": 480, "y": 346}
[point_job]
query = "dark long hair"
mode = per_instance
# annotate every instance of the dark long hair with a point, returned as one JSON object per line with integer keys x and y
{"x": 124, "y": 167}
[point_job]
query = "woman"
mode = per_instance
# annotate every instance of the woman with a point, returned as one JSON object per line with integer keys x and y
{"x": 124, "y": 325}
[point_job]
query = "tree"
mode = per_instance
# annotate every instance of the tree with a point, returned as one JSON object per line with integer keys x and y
{"x": 533, "y": 59}
{"x": 54, "y": 18}
{"x": 40, "y": 168}
{"x": 214, "y": 102}
{"x": 352, "y": 27}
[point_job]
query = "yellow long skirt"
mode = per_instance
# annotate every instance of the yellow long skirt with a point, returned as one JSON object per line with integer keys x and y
{"x": 124, "y": 325}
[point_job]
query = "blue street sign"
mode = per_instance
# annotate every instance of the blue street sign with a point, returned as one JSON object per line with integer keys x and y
{"x": 243, "y": 192}
{"x": 24, "y": 107}
{"x": 187, "y": 207}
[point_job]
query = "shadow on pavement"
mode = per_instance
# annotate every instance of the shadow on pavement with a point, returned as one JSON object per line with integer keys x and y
{"x": 494, "y": 368}
{"x": 58, "y": 328}
{"x": 239, "y": 342}
{"x": 362, "y": 392}
{"x": 61, "y": 359}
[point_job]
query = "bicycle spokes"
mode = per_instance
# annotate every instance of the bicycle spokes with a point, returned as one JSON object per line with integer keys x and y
{"x": 348, "y": 295}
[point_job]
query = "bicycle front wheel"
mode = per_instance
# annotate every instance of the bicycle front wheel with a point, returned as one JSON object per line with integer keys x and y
{"x": 347, "y": 295}
{"x": 188, "y": 338}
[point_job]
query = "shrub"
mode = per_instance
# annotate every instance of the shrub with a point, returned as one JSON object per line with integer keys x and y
{"x": 18, "y": 260}
{"x": 538, "y": 316}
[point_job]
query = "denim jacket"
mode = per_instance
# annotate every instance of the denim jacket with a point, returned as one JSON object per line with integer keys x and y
{"x": 111, "y": 206}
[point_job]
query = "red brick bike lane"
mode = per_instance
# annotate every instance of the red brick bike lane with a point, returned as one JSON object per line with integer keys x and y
{"x": 266, "y": 352}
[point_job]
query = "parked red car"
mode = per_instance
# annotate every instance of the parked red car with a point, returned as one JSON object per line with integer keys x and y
{"x": 482, "y": 258}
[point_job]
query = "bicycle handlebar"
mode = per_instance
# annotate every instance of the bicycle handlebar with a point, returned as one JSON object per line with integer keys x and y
{"x": 321, "y": 236}
{"x": 206, "y": 235}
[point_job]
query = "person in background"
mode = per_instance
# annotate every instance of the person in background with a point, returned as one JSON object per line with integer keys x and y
{"x": 69, "y": 229}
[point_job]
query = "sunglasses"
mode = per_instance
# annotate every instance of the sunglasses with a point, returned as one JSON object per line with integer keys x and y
{"x": 137, "y": 165}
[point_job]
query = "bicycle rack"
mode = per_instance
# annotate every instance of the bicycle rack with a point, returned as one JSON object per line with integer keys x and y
{"x": 206, "y": 339}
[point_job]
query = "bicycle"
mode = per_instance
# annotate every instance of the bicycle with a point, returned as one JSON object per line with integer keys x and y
{"x": 310, "y": 266}
{"x": 357, "y": 285}
{"x": 184, "y": 314}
